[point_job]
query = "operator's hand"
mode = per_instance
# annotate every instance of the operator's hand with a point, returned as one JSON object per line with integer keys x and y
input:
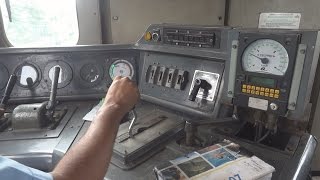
{"x": 122, "y": 93}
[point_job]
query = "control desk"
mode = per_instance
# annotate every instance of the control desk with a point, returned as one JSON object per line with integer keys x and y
{"x": 198, "y": 84}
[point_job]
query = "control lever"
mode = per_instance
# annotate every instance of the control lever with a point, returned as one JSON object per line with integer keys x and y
{"x": 6, "y": 96}
{"x": 39, "y": 115}
{"x": 53, "y": 93}
{"x": 29, "y": 82}
{"x": 134, "y": 118}
{"x": 199, "y": 83}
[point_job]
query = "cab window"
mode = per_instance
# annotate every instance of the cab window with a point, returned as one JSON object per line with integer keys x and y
{"x": 38, "y": 23}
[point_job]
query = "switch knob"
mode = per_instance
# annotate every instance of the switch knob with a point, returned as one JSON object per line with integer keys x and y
{"x": 199, "y": 83}
{"x": 156, "y": 36}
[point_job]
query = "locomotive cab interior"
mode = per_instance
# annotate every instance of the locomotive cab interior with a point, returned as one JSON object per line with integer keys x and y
{"x": 234, "y": 79}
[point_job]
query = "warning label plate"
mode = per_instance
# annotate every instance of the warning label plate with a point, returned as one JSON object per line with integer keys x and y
{"x": 279, "y": 20}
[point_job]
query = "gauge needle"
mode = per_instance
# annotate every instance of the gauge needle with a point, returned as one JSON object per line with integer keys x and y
{"x": 278, "y": 69}
{"x": 263, "y": 60}
{"x": 256, "y": 56}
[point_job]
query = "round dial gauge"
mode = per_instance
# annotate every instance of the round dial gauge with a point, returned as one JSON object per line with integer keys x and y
{"x": 265, "y": 56}
{"x": 121, "y": 68}
{"x": 91, "y": 73}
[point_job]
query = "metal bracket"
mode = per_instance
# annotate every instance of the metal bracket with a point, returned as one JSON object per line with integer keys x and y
{"x": 297, "y": 74}
{"x": 233, "y": 68}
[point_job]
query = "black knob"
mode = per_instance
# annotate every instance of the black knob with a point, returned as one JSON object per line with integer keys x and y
{"x": 199, "y": 83}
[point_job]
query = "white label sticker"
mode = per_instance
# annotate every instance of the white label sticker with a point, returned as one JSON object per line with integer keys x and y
{"x": 258, "y": 103}
{"x": 279, "y": 20}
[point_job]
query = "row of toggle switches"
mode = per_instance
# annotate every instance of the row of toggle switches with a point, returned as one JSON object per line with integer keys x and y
{"x": 167, "y": 77}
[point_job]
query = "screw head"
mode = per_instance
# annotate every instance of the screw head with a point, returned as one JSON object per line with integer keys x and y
{"x": 234, "y": 46}
{"x": 230, "y": 92}
{"x": 302, "y": 51}
{"x": 274, "y": 106}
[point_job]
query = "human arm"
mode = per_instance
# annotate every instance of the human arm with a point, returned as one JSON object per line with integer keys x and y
{"x": 89, "y": 159}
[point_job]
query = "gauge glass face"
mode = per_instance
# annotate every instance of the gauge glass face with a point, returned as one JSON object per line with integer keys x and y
{"x": 265, "y": 56}
{"x": 90, "y": 73}
{"x": 121, "y": 68}
{"x": 27, "y": 73}
{"x": 62, "y": 76}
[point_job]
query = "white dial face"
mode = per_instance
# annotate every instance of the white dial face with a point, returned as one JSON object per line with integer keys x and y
{"x": 266, "y": 56}
{"x": 121, "y": 68}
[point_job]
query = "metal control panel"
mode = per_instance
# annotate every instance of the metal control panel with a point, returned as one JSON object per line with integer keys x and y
{"x": 200, "y": 38}
{"x": 85, "y": 71}
{"x": 191, "y": 37}
{"x": 274, "y": 70}
{"x": 265, "y": 66}
{"x": 171, "y": 78}
{"x": 251, "y": 80}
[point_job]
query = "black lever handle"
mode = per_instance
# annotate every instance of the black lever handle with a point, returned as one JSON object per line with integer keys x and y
{"x": 12, "y": 81}
{"x": 29, "y": 82}
{"x": 54, "y": 87}
{"x": 199, "y": 83}
{"x": 6, "y": 96}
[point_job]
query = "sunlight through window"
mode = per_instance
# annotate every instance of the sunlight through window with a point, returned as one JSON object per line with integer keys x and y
{"x": 35, "y": 23}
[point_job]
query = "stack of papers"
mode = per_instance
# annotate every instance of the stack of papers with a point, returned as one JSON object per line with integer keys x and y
{"x": 225, "y": 160}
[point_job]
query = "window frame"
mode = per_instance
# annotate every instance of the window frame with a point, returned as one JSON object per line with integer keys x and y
{"x": 88, "y": 16}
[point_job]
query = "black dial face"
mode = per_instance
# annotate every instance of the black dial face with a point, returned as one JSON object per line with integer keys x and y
{"x": 4, "y": 76}
{"x": 91, "y": 73}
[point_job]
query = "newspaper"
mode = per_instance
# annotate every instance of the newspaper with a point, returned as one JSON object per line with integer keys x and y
{"x": 225, "y": 160}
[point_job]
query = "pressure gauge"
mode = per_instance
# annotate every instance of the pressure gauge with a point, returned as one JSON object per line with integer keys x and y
{"x": 121, "y": 68}
{"x": 265, "y": 56}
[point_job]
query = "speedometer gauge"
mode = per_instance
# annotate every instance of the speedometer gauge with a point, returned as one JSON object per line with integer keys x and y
{"x": 121, "y": 68}
{"x": 265, "y": 56}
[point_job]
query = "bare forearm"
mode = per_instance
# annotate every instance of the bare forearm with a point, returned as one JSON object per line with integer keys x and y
{"x": 89, "y": 159}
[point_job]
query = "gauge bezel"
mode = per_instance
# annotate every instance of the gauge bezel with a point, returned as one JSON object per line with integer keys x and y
{"x": 119, "y": 61}
{"x": 5, "y": 79}
{"x": 63, "y": 65}
{"x": 38, "y": 71}
{"x": 95, "y": 83}
{"x": 256, "y": 41}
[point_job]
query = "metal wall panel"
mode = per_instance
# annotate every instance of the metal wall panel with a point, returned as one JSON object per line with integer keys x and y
{"x": 129, "y": 18}
{"x": 89, "y": 22}
{"x": 246, "y": 12}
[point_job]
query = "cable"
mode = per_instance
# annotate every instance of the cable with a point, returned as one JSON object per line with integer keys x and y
{"x": 264, "y": 136}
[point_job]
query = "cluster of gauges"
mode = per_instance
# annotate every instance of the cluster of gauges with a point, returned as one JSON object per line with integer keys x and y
{"x": 29, "y": 74}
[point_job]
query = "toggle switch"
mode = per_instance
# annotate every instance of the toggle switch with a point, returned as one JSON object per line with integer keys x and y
{"x": 172, "y": 74}
{"x": 161, "y": 79}
{"x": 182, "y": 80}
{"x": 152, "y": 74}
{"x": 199, "y": 83}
